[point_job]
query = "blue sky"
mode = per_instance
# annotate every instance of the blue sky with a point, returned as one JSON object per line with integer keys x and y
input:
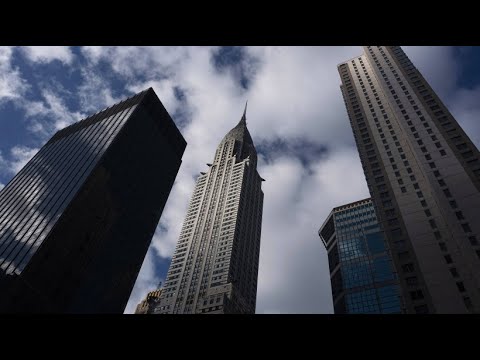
{"x": 296, "y": 117}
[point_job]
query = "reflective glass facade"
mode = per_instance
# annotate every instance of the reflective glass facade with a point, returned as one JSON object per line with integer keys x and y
{"x": 363, "y": 276}
{"x": 77, "y": 220}
{"x": 34, "y": 200}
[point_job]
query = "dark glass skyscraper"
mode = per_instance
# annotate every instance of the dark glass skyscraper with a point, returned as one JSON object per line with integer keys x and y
{"x": 361, "y": 271}
{"x": 215, "y": 266}
{"x": 423, "y": 173}
{"x": 77, "y": 220}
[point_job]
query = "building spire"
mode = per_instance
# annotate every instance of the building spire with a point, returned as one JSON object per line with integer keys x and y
{"x": 244, "y": 116}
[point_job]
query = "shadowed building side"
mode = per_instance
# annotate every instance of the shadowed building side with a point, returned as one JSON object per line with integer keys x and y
{"x": 77, "y": 220}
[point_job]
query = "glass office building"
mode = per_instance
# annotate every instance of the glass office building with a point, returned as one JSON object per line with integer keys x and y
{"x": 362, "y": 274}
{"x": 77, "y": 220}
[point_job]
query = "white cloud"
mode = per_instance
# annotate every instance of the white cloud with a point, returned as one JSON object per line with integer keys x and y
{"x": 1, "y": 186}
{"x": 165, "y": 91}
{"x": 94, "y": 93}
{"x": 50, "y": 114}
{"x": 293, "y": 273}
{"x": 20, "y": 156}
{"x": 12, "y": 85}
{"x": 132, "y": 61}
{"x": 3, "y": 165}
{"x": 46, "y": 54}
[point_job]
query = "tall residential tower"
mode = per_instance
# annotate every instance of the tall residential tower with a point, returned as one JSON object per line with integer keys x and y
{"x": 77, "y": 220}
{"x": 215, "y": 265}
{"x": 423, "y": 173}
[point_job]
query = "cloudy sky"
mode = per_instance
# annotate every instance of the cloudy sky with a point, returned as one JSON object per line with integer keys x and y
{"x": 295, "y": 114}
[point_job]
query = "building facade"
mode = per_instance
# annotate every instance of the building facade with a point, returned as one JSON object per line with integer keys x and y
{"x": 362, "y": 274}
{"x": 423, "y": 173}
{"x": 77, "y": 220}
{"x": 148, "y": 305}
{"x": 215, "y": 265}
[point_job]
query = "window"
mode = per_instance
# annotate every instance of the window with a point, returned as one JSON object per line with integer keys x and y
{"x": 421, "y": 309}
{"x": 473, "y": 240}
{"x": 412, "y": 280}
{"x": 467, "y": 154}
{"x": 447, "y": 193}
{"x": 407, "y": 268}
{"x": 466, "y": 227}
{"x": 403, "y": 189}
{"x": 459, "y": 215}
{"x": 460, "y": 286}
{"x": 437, "y": 234}
{"x": 387, "y": 203}
{"x": 416, "y": 294}
{"x": 448, "y": 259}
{"x": 428, "y": 213}
{"x": 442, "y": 246}
{"x": 454, "y": 272}
{"x": 432, "y": 223}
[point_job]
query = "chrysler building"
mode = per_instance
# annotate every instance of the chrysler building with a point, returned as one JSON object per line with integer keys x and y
{"x": 215, "y": 265}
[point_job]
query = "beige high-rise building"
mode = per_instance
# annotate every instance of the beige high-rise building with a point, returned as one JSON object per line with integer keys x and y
{"x": 423, "y": 173}
{"x": 215, "y": 265}
{"x": 147, "y": 305}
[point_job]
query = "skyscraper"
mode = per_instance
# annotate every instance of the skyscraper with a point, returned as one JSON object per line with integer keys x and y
{"x": 147, "y": 305}
{"x": 361, "y": 271}
{"x": 423, "y": 173}
{"x": 215, "y": 265}
{"x": 77, "y": 220}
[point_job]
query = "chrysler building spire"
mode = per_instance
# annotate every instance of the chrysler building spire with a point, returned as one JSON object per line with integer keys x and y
{"x": 244, "y": 117}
